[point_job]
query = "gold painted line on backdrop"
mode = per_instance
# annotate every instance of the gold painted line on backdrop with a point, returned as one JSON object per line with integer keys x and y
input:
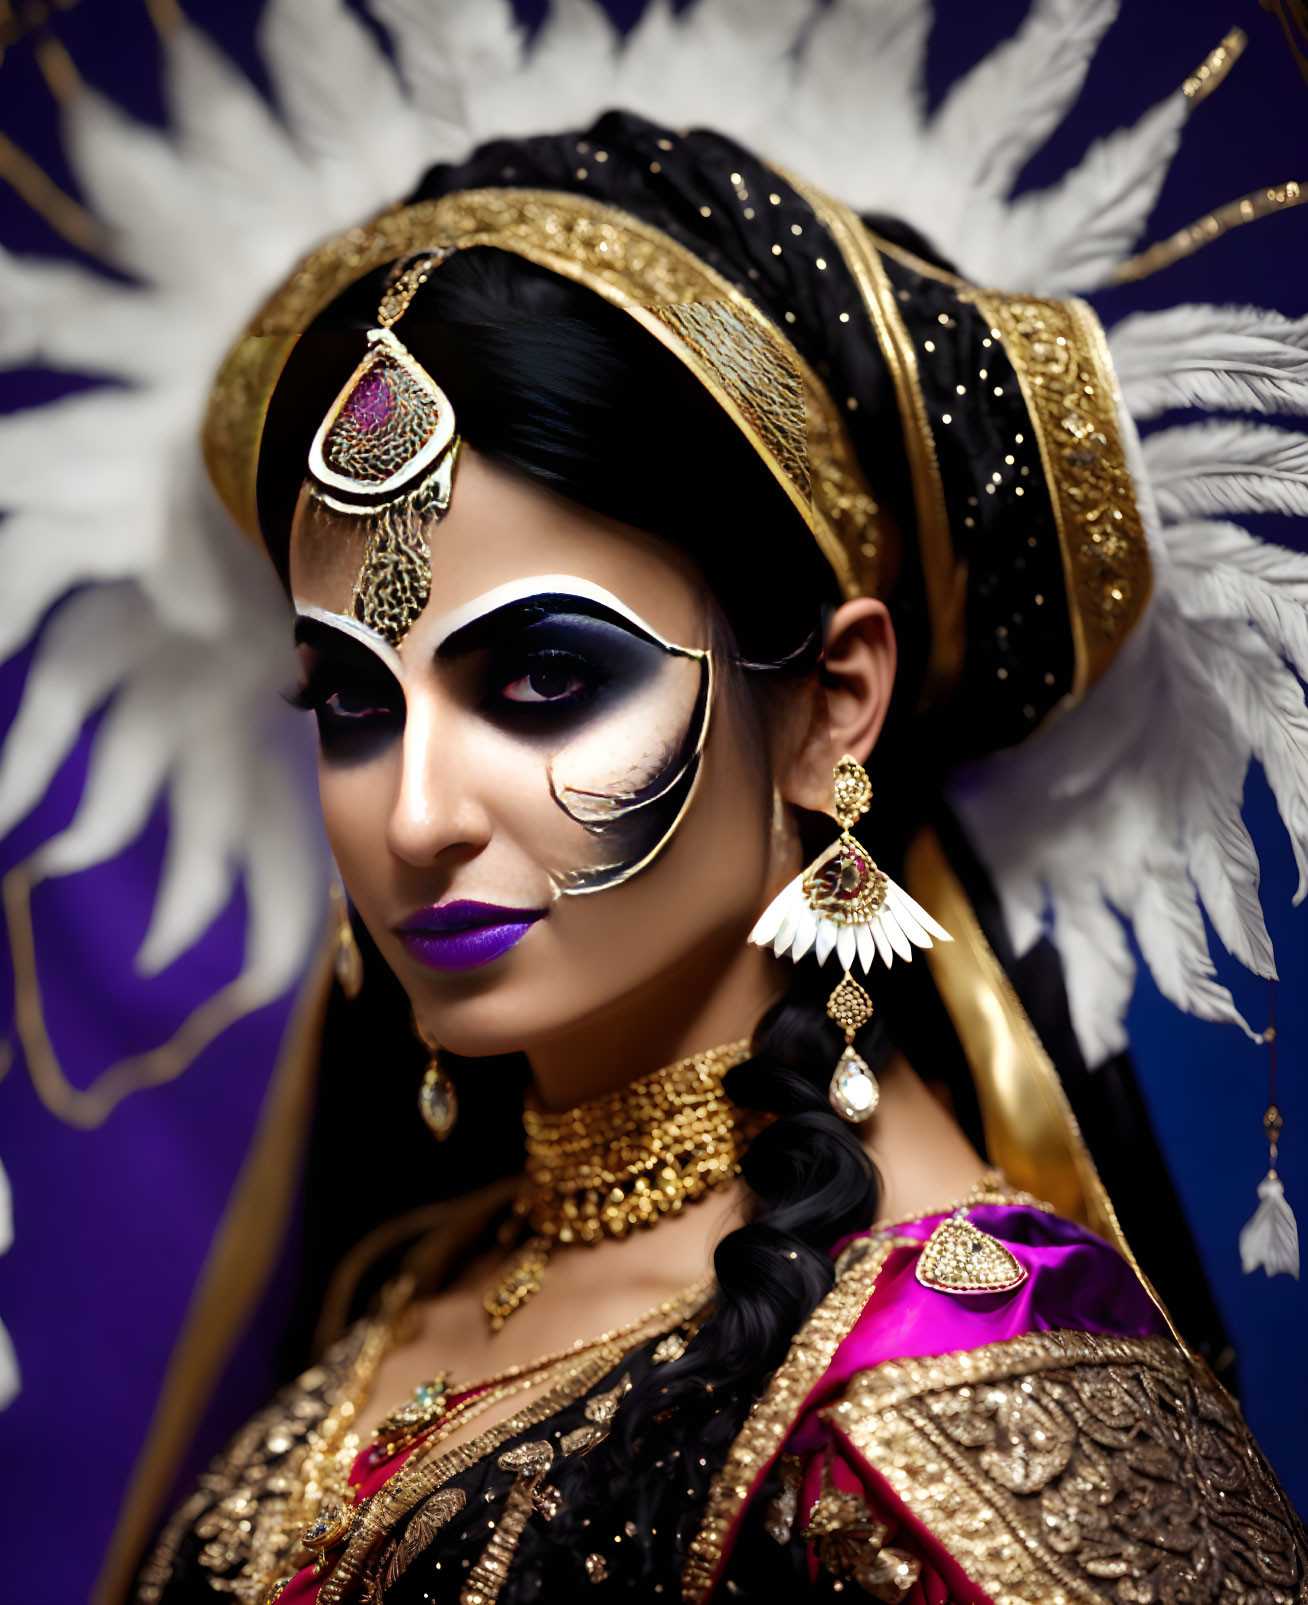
{"x": 235, "y": 1272}
{"x": 68, "y": 219}
{"x": 89, "y": 1107}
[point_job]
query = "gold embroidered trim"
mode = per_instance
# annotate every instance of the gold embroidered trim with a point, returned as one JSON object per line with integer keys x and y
{"x": 1062, "y": 364}
{"x": 628, "y": 263}
{"x": 1064, "y": 1466}
{"x": 773, "y": 1416}
{"x": 940, "y": 567}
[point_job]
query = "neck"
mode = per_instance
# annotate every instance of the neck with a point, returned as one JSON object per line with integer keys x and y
{"x": 709, "y": 999}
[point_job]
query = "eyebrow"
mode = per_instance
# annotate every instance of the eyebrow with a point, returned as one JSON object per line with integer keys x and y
{"x": 532, "y": 611}
{"x": 310, "y": 620}
{"x": 556, "y": 588}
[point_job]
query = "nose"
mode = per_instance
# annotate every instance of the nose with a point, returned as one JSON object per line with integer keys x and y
{"x": 436, "y": 808}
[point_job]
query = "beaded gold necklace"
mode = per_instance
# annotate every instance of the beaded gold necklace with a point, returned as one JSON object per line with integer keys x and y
{"x": 618, "y": 1162}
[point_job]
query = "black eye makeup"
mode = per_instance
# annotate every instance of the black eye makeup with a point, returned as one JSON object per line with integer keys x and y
{"x": 616, "y": 716}
{"x": 357, "y": 701}
{"x": 549, "y": 661}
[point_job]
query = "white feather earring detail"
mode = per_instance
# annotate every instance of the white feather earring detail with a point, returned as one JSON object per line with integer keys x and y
{"x": 843, "y": 903}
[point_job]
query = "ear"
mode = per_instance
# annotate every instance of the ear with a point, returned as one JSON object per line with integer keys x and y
{"x": 851, "y": 701}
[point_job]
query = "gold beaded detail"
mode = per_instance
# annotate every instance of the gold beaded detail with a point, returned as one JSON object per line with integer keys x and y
{"x": 849, "y": 1005}
{"x": 643, "y": 1151}
{"x": 619, "y": 1162}
{"x": 853, "y": 792}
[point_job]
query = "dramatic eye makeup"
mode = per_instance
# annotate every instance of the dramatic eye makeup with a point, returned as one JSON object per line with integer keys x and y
{"x": 616, "y": 714}
{"x": 355, "y": 697}
{"x": 578, "y": 701}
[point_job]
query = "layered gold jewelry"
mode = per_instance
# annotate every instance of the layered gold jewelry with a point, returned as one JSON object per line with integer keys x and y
{"x": 620, "y": 1162}
{"x": 843, "y": 903}
{"x": 359, "y": 1551}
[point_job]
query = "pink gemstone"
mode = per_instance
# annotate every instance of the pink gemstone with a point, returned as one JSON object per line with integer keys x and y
{"x": 370, "y": 403}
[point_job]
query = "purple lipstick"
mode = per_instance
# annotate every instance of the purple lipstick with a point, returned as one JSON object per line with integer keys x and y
{"x": 462, "y": 935}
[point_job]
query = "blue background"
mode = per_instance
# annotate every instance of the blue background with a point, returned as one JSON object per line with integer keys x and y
{"x": 112, "y": 1225}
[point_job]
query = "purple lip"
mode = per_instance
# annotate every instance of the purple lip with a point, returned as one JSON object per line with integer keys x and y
{"x": 460, "y": 936}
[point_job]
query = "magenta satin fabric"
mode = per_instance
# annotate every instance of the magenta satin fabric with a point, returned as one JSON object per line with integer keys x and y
{"x": 1075, "y": 1281}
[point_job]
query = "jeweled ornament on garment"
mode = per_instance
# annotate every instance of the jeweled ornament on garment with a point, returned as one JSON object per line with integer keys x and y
{"x": 960, "y": 1258}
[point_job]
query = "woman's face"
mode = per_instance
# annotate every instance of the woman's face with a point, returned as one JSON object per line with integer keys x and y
{"x": 542, "y": 804}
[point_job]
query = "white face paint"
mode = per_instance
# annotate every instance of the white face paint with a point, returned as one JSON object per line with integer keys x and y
{"x": 571, "y": 697}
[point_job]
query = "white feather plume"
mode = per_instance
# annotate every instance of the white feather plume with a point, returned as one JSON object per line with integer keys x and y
{"x": 1221, "y": 359}
{"x": 1227, "y": 466}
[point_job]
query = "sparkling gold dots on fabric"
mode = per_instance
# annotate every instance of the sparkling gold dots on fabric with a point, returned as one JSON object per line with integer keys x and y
{"x": 1058, "y": 353}
{"x": 770, "y": 1420}
{"x": 1065, "y": 1466}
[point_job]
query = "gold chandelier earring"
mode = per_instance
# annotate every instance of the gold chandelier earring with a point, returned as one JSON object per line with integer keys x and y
{"x": 843, "y": 903}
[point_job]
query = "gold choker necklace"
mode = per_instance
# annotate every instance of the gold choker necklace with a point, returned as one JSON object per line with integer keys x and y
{"x": 621, "y": 1161}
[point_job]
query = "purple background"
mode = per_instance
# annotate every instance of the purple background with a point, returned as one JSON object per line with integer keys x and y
{"x": 112, "y": 1225}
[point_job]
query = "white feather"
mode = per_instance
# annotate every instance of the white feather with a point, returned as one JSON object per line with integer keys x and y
{"x": 1221, "y": 359}
{"x": 826, "y": 940}
{"x": 1070, "y": 237}
{"x": 1222, "y": 572}
{"x": 9, "y": 1379}
{"x": 1227, "y": 466}
{"x": 1003, "y": 110}
{"x": 867, "y": 948}
{"x": 1270, "y": 1239}
{"x": 847, "y": 947}
{"x": 882, "y": 941}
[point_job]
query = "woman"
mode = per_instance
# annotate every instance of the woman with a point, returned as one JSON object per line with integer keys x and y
{"x": 637, "y": 503}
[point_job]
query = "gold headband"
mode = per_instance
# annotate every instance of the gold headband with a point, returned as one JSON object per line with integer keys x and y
{"x": 741, "y": 358}
{"x": 770, "y": 392}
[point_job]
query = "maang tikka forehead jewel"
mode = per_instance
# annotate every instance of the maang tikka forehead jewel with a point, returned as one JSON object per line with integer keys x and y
{"x": 386, "y": 452}
{"x": 843, "y": 903}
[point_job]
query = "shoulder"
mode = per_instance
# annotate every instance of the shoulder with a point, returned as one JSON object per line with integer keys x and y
{"x": 991, "y": 1396}
{"x": 1063, "y": 1464}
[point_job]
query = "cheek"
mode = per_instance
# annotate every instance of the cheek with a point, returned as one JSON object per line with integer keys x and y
{"x": 356, "y": 801}
{"x": 709, "y": 879}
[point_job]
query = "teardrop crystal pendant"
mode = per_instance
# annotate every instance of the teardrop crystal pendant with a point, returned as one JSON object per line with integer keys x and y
{"x": 960, "y": 1258}
{"x": 854, "y": 1091}
{"x": 438, "y": 1101}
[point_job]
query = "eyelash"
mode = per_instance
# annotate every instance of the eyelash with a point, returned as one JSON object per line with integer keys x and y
{"x": 323, "y": 688}
{"x": 552, "y": 660}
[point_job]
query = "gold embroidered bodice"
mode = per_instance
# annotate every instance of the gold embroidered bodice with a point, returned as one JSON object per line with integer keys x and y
{"x": 1057, "y": 1466}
